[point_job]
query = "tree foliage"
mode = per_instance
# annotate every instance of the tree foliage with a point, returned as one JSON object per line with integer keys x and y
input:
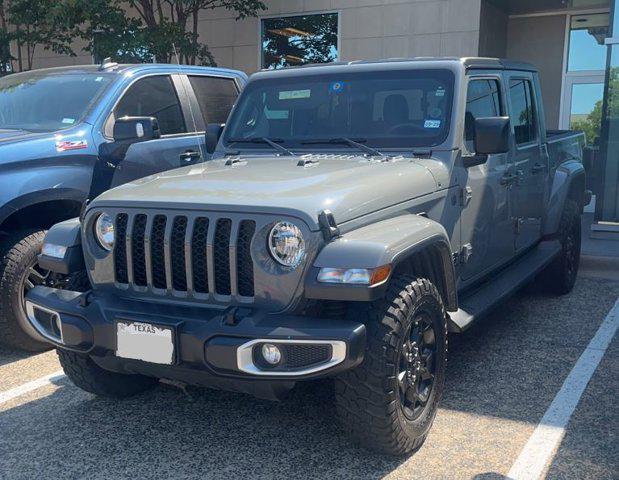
{"x": 126, "y": 30}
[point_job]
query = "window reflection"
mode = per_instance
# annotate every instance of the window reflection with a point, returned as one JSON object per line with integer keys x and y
{"x": 587, "y": 50}
{"x": 293, "y": 41}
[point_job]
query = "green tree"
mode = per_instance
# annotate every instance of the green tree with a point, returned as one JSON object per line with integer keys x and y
{"x": 162, "y": 29}
{"x": 37, "y": 23}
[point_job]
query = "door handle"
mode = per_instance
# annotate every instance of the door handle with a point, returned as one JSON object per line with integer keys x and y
{"x": 189, "y": 156}
{"x": 538, "y": 167}
{"x": 508, "y": 179}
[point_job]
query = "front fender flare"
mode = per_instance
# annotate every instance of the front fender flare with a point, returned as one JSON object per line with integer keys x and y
{"x": 390, "y": 241}
{"x": 64, "y": 234}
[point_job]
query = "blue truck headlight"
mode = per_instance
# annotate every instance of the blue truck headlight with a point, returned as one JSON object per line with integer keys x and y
{"x": 104, "y": 231}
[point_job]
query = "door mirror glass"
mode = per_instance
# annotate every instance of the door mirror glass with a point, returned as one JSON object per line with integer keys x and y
{"x": 213, "y": 132}
{"x": 136, "y": 129}
{"x": 491, "y": 135}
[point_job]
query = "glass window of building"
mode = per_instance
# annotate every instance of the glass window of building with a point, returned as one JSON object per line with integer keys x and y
{"x": 298, "y": 40}
{"x": 587, "y": 51}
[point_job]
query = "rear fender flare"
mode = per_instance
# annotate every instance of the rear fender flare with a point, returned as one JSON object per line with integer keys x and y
{"x": 568, "y": 182}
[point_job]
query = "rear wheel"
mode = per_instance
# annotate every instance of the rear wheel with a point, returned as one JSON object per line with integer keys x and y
{"x": 389, "y": 402}
{"x": 88, "y": 376}
{"x": 560, "y": 276}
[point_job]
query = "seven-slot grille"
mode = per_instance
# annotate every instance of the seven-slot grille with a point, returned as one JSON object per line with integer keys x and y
{"x": 198, "y": 255}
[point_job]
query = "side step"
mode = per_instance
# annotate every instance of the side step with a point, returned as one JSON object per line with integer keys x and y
{"x": 498, "y": 288}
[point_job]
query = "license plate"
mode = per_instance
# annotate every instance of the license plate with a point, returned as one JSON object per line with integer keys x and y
{"x": 145, "y": 341}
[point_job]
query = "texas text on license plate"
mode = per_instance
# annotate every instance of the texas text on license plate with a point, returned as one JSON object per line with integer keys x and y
{"x": 145, "y": 341}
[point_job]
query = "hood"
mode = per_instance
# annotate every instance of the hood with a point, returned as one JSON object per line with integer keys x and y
{"x": 8, "y": 137}
{"x": 348, "y": 186}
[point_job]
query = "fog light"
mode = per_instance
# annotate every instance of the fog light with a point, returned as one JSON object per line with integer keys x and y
{"x": 271, "y": 353}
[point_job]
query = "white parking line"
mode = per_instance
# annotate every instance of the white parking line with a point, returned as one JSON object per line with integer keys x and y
{"x": 545, "y": 440}
{"x": 30, "y": 386}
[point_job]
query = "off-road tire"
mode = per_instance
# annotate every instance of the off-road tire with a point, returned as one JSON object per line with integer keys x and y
{"x": 560, "y": 276}
{"x": 368, "y": 397}
{"x": 88, "y": 376}
{"x": 18, "y": 252}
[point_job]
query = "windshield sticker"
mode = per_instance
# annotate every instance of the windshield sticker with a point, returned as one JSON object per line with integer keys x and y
{"x": 295, "y": 94}
{"x": 70, "y": 121}
{"x": 336, "y": 87}
{"x": 440, "y": 92}
{"x": 432, "y": 124}
{"x": 99, "y": 79}
{"x": 66, "y": 145}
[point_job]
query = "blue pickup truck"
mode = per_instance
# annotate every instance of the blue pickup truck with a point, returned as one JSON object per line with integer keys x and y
{"x": 68, "y": 134}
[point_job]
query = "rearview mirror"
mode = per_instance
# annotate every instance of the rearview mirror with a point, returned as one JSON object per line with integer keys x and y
{"x": 491, "y": 135}
{"x": 213, "y": 132}
{"x": 136, "y": 129}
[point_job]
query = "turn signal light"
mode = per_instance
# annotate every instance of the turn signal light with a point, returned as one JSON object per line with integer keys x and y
{"x": 354, "y": 276}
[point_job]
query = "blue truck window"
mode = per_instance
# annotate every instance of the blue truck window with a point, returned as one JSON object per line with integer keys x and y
{"x": 154, "y": 97}
{"x": 216, "y": 96}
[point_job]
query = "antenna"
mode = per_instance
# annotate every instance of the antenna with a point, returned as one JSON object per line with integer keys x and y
{"x": 201, "y": 148}
{"x": 107, "y": 63}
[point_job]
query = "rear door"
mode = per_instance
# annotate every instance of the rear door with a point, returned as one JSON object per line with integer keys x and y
{"x": 530, "y": 169}
{"x": 486, "y": 222}
{"x": 214, "y": 96}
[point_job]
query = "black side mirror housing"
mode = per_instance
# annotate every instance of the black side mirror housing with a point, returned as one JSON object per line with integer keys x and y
{"x": 213, "y": 132}
{"x": 492, "y": 135}
{"x": 136, "y": 129}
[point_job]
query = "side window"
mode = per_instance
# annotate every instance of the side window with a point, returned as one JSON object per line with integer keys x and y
{"x": 483, "y": 99}
{"x": 154, "y": 97}
{"x": 523, "y": 111}
{"x": 216, "y": 97}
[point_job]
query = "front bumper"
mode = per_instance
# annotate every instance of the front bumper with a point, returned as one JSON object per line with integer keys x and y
{"x": 212, "y": 347}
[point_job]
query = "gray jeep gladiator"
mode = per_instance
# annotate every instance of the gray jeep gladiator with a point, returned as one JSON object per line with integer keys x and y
{"x": 353, "y": 215}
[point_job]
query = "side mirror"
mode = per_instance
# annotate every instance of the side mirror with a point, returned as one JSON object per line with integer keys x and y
{"x": 492, "y": 135}
{"x": 213, "y": 132}
{"x": 136, "y": 129}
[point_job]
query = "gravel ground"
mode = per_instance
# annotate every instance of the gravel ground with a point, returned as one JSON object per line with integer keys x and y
{"x": 502, "y": 376}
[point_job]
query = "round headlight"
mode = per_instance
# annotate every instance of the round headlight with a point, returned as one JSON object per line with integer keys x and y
{"x": 104, "y": 231}
{"x": 286, "y": 244}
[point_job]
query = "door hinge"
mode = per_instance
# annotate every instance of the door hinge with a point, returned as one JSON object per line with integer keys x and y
{"x": 462, "y": 257}
{"x": 466, "y": 194}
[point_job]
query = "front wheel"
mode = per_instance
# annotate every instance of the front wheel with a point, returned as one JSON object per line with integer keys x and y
{"x": 19, "y": 273}
{"x": 389, "y": 402}
{"x": 89, "y": 376}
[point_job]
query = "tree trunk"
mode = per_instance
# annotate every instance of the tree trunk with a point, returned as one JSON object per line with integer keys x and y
{"x": 195, "y": 36}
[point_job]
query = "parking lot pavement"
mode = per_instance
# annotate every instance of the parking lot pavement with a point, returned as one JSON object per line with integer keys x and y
{"x": 502, "y": 376}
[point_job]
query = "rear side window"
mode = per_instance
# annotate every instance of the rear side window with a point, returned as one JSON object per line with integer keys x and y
{"x": 523, "y": 111}
{"x": 216, "y": 96}
{"x": 483, "y": 99}
{"x": 154, "y": 97}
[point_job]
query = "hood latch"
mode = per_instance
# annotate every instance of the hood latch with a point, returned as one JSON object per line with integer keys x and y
{"x": 328, "y": 225}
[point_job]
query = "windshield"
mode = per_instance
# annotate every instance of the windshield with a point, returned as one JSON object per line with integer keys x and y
{"x": 40, "y": 102}
{"x": 398, "y": 109}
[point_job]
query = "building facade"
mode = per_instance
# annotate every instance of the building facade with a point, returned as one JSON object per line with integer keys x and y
{"x": 569, "y": 40}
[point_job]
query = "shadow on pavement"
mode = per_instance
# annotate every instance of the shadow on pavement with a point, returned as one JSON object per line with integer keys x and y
{"x": 10, "y": 355}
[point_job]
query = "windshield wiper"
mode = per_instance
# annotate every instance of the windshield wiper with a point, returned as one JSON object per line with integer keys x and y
{"x": 273, "y": 143}
{"x": 348, "y": 141}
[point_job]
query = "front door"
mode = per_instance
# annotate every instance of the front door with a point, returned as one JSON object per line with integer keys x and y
{"x": 487, "y": 233}
{"x": 159, "y": 96}
{"x": 530, "y": 161}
